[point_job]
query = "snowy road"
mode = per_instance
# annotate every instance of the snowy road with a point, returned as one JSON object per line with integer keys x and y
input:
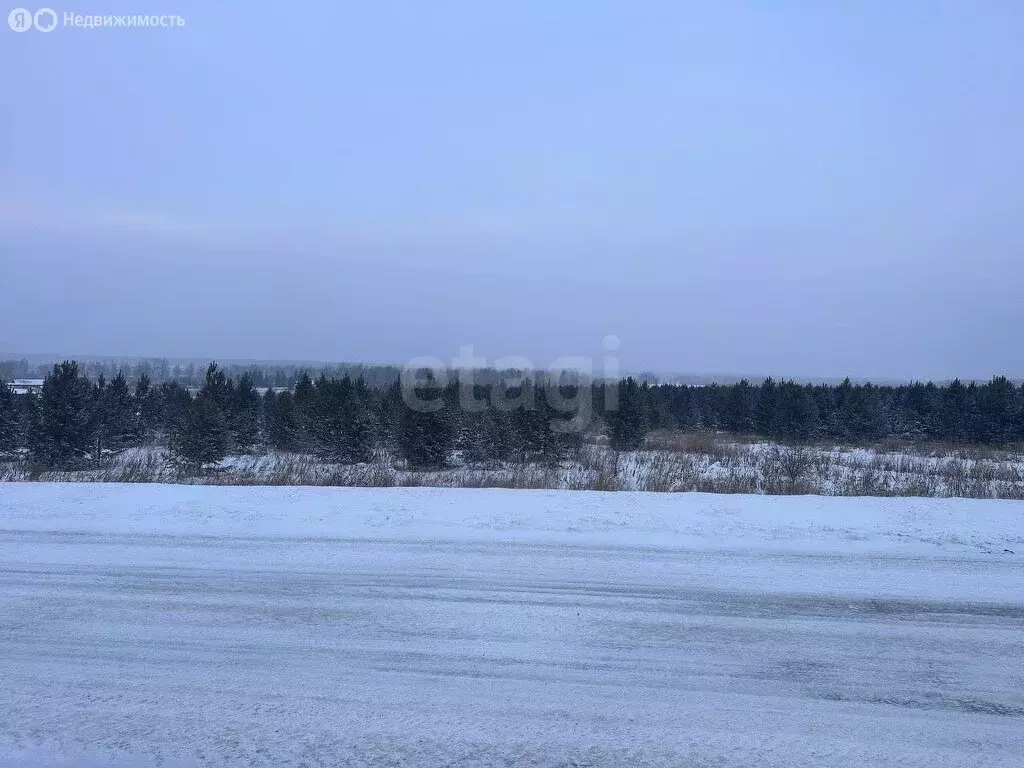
{"x": 208, "y": 646}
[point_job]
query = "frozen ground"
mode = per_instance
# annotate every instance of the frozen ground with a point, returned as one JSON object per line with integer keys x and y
{"x": 185, "y": 626}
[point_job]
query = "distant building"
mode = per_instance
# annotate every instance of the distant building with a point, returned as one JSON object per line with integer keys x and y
{"x": 25, "y": 386}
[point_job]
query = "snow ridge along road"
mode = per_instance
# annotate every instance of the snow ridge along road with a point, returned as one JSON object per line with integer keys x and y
{"x": 192, "y": 626}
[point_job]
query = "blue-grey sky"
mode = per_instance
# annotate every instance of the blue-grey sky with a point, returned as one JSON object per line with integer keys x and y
{"x": 794, "y": 188}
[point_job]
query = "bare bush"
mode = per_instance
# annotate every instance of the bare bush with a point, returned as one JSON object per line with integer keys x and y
{"x": 784, "y": 469}
{"x": 796, "y": 462}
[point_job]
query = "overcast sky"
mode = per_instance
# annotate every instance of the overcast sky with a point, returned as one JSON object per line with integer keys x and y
{"x": 794, "y": 188}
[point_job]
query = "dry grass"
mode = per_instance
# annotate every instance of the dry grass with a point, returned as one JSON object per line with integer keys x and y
{"x": 671, "y": 462}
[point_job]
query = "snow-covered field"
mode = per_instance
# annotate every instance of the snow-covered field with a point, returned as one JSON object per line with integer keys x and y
{"x": 189, "y": 625}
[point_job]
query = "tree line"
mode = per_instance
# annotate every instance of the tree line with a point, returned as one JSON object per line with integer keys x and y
{"x": 77, "y": 420}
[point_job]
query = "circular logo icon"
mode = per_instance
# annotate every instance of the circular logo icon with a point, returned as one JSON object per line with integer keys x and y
{"x": 20, "y": 20}
{"x": 45, "y": 19}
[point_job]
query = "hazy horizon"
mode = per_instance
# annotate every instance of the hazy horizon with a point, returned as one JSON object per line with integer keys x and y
{"x": 794, "y": 190}
{"x": 682, "y": 376}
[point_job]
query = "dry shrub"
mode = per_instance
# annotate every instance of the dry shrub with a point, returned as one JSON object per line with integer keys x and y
{"x": 606, "y": 481}
{"x": 661, "y": 472}
{"x": 1010, "y": 492}
{"x": 607, "y": 477}
{"x": 14, "y": 471}
{"x": 144, "y": 468}
{"x": 522, "y": 477}
{"x": 411, "y": 480}
{"x": 732, "y": 483}
{"x": 675, "y": 461}
{"x": 696, "y": 443}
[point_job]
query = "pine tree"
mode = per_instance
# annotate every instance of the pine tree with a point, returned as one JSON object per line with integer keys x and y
{"x": 281, "y": 424}
{"x": 682, "y": 407}
{"x": 202, "y": 436}
{"x": 66, "y": 417}
{"x": 118, "y": 425}
{"x": 172, "y": 405}
{"x": 10, "y": 421}
{"x": 147, "y": 403}
{"x": 219, "y": 388}
{"x": 305, "y": 411}
{"x": 997, "y": 411}
{"x": 243, "y": 413}
{"x": 915, "y": 413}
{"x": 342, "y": 427}
{"x": 361, "y": 423}
{"x": 564, "y": 424}
{"x": 797, "y": 415}
{"x": 842, "y": 413}
{"x": 628, "y": 423}
{"x": 766, "y": 418}
{"x": 738, "y": 415}
{"x": 324, "y": 419}
{"x": 34, "y": 438}
{"x": 425, "y": 435}
{"x": 865, "y": 414}
{"x": 533, "y": 439}
{"x": 389, "y": 417}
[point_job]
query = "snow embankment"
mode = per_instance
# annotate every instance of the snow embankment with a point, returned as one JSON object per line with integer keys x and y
{"x": 909, "y": 526}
